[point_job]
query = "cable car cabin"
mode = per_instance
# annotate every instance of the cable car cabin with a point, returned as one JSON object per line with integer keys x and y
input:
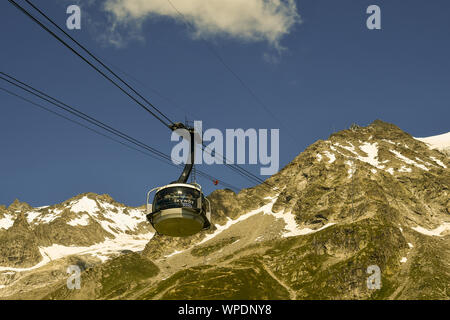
{"x": 179, "y": 210}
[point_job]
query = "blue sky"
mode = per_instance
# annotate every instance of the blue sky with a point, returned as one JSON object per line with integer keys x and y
{"x": 331, "y": 72}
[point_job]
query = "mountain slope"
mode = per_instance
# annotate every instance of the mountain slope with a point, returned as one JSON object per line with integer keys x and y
{"x": 366, "y": 196}
{"x": 39, "y": 243}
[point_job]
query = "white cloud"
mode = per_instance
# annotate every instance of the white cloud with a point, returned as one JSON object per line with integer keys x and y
{"x": 248, "y": 20}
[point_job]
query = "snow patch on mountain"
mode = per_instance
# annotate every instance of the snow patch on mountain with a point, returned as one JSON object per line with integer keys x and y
{"x": 173, "y": 253}
{"x": 350, "y": 149}
{"x": 291, "y": 228}
{"x": 404, "y": 169}
{"x": 81, "y": 221}
{"x": 118, "y": 222}
{"x": 114, "y": 219}
{"x": 230, "y": 222}
{"x": 389, "y": 141}
{"x": 40, "y": 215}
{"x": 84, "y": 205}
{"x": 435, "y": 232}
{"x": 409, "y": 161}
{"x": 104, "y": 250}
{"x": 47, "y": 218}
{"x": 330, "y": 156}
{"x": 350, "y": 169}
{"x": 371, "y": 149}
{"x": 440, "y": 142}
{"x": 32, "y": 215}
{"x": 7, "y": 221}
{"x": 439, "y": 162}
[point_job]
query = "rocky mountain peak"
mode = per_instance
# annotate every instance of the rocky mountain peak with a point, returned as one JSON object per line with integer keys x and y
{"x": 17, "y": 205}
{"x": 99, "y": 198}
{"x": 342, "y": 178}
{"x": 20, "y": 224}
{"x": 3, "y": 211}
{"x": 95, "y": 225}
{"x": 377, "y": 130}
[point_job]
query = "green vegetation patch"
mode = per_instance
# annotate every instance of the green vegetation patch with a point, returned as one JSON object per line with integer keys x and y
{"x": 203, "y": 251}
{"x": 110, "y": 280}
{"x": 121, "y": 272}
{"x": 249, "y": 282}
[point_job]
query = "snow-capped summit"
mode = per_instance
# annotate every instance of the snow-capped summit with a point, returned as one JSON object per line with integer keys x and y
{"x": 440, "y": 142}
{"x": 88, "y": 224}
